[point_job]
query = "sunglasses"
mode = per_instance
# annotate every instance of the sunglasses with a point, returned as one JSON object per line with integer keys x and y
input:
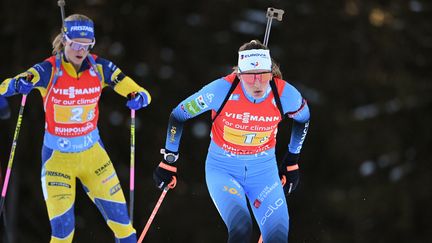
{"x": 77, "y": 46}
{"x": 250, "y": 78}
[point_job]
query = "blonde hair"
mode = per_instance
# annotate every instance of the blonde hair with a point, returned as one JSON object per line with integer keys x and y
{"x": 57, "y": 43}
{"x": 256, "y": 44}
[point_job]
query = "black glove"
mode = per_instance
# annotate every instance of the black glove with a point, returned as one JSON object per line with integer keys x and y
{"x": 165, "y": 173}
{"x": 289, "y": 172}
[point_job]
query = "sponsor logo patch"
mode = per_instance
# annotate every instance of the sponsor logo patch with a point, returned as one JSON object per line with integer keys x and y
{"x": 115, "y": 189}
{"x": 257, "y": 203}
{"x": 272, "y": 208}
{"x": 173, "y": 132}
{"x": 103, "y": 168}
{"x": 210, "y": 97}
{"x": 246, "y": 117}
{"x": 62, "y": 196}
{"x": 201, "y": 102}
{"x": 81, "y": 28}
{"x": 57, "y": 183}
{"x": 108, "y": 178}
{"x": 253, "y": 55}
{"x": 232, "y": 190}
{"x": 71, "y": 92}
{"x": 63, "y": 143}
{"x": 192, "y": 107}
{"x": 57, "y": 174}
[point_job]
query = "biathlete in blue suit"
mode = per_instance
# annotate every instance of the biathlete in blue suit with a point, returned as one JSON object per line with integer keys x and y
{"x": 241, "y": 166}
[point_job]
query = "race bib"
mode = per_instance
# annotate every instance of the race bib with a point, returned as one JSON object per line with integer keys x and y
{"x": 74, "y": 114}
{"x": 245, "y": 138}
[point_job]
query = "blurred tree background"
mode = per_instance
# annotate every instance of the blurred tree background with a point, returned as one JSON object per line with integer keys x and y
{"x": 364, "y": 66}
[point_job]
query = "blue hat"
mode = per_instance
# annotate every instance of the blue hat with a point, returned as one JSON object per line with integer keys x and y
{"x": 79, "y": 29}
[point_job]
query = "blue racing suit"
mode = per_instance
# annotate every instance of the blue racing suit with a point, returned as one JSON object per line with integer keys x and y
{"x": 241, "y": 164}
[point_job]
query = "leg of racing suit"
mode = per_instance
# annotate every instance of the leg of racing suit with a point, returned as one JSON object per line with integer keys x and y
{"x": 102, "y": 185}
{"x": 268, "y": 203}
{"x": 230, "y": 200}
{"x": 58, "y": 186}
{"x": 230, "y": 181}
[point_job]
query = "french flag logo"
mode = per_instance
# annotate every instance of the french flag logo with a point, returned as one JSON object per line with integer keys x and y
{"x": 255, "y": 64}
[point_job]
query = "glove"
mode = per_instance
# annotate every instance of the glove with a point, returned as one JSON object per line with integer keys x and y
{"x": 289, "y": 172}
{"x": 23, "y": 85}
{"x": 165, "y": 174}
{"x": 138, "y": 100}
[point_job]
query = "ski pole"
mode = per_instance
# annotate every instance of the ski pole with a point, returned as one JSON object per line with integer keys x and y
{"x": 153, "y": 214}
{"x": 61, "y": 4}
{"x": 132, "y": 164}
{"x": 6, "y": 239}
{"x": 272, "y": 13}
{"x": 12, "y": 153}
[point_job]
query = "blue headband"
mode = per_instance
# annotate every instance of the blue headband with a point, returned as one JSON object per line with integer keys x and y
{"x": 79, "y": 29}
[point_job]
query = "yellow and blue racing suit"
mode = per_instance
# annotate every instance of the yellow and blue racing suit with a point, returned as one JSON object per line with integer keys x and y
{"x": 72, "y": 148}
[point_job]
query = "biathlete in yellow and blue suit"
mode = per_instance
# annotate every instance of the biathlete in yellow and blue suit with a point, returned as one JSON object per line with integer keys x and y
{"x": 71, "y": 84}
{"x": 241, "y": 166}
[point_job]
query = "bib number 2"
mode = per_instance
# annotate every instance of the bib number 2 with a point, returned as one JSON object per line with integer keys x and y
{"x": 74, "y": 114}
{"x": 77, "y": 114}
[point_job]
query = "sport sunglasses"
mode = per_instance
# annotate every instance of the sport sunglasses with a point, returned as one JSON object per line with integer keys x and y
{"x": 77, "y": 46}
{"x": 250, "y": 78}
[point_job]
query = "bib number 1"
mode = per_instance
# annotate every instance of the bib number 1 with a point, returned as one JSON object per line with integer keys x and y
{"x": 249, "y": 138}
{"x": 245, "y": 138}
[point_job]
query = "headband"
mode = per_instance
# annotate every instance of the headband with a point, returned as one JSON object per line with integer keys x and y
{"x": 79, "y": 29}
{"x": 254, "y": 59}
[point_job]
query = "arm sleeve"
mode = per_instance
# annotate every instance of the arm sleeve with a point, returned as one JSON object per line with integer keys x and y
{"x": 117, "y": 80}
{"x": 296, "y": 107}
{"x": 41, "y": 72}
{"x": 210, "y": 97}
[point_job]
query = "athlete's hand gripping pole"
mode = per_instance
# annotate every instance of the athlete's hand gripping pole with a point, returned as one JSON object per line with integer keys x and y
{"x": 132, "y": 164}
{"x": 12, "y": 153}
{"x": 272, "y": 13}
{"x": 153, "y": 214}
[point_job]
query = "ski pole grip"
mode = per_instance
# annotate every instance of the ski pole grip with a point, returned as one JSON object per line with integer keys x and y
{"x": 61, "y": 4}
{"x": 275, "y": 13}
{"x": 272, "y": 13}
